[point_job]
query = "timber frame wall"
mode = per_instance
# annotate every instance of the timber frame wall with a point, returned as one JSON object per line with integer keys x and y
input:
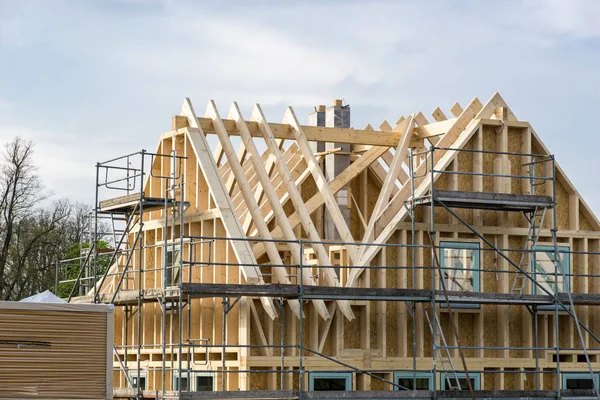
{"x": 222, "y": 252}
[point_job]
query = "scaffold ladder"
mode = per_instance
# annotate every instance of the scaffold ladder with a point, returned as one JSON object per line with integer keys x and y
{"x": 443, "y": 352}
{"x": 536, "y": 221}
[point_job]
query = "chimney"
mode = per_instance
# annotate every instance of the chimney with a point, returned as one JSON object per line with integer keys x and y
{"x": 337, "y": 116}
{"x": 317, "y": 118}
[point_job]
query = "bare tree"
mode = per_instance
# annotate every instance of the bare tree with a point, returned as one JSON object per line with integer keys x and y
{"x": 20, "y": 190}
{"x": 40, "y": 239}
{"x": 34, "y": 232}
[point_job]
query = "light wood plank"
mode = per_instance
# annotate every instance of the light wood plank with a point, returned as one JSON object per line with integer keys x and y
{"x": 243, "y": 250}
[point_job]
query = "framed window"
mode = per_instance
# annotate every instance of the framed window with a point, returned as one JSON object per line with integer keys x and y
{"x": 474, "y": 377}
{"x": 406, "y": 379}
{"x": 579, "y": 380}
{"x": 181, "y": 381}
{"x": 204, "y": 382}
{"x": 543, "y": 271}
{"x": 460, "y": 266}
{"x": 173, "y": 264}
{"x": 325, "y": 381}
{"x": 138, "y": 382}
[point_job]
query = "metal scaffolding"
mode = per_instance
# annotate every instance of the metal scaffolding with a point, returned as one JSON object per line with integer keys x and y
{"x": 127, "y": 215}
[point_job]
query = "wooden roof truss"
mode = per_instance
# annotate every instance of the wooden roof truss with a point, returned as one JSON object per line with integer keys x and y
{"x": 252, "y": 189}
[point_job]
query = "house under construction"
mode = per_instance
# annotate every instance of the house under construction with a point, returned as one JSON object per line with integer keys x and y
{"x": 433, "y": 257}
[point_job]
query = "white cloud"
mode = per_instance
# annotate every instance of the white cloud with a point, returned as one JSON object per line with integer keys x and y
{"x": 577, "y": 18}
{"x": 109, "y": 75}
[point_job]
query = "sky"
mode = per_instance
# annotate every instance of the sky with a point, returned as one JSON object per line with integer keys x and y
{"x": 91, "y": 80}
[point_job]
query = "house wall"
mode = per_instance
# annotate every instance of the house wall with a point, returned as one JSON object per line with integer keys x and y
{"x": 383, "y": 336}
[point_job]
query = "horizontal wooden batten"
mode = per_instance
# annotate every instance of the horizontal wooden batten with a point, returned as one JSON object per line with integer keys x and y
{"x": 335, "y": 135}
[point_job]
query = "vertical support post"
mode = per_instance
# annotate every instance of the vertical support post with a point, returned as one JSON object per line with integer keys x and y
{"x": 300, "y": 327}
{"x": 95, "y": 243}
{"x": 556, "y": 263}
{"x": 432, "y": 243}
{"x": 180, "y": 302}
{"x": 56, "y": 281}
{"x": 413, "y": 249}
{"x": 223, "y": 339}
{"x": 281, "y": 305}
{"x": 139, "y": 272}
{"x": 537, "y": 347}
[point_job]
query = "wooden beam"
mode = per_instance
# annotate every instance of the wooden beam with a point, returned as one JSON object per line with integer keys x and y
{"x": 266, "y": 351}
{"x": 280, "y": 273}
{"x": 456, "y": 110}
{"x": 388, "y": 158}
{"x": 300, "y": 207}
{"x": 461, "y": 132}
{"x": 358, "y": 166}
{"x": 422, "y": 121}
{"x": 242, "y": 249}
{"x": 282, "y": 193}
{"x": 261, "y": 225}
{"x": 334, "y": 135}
{"x": 390, "y": 179}
{"x": 438, "y": 115}
{"x": 322, "y": 185}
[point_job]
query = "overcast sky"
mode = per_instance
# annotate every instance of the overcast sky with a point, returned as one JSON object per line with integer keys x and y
{"x": 90, "y": 80}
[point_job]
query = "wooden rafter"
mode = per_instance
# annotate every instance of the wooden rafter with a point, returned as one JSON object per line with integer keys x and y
{"x": 242, "y": 249}
{"x": 279, "y": 272}
{"x": 300, "y": 175}
{"x": 345, "y": 177}
{"x": 301, "y": 209}
{"x": 463, "y": 128}
{"x": 259, "y": 222}
{"x": 322, "y": 185}
{"x": 390, "y": 179}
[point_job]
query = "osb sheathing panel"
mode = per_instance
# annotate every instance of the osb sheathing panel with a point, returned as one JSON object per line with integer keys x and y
{"x": 490, "y": 329}
{"x": 516, "y": 169}
{"x": 378, "y": 384}
{"x": 465, "y": 323}
{"x": 391, "y": 307}
{"x": 373, "y": 189}
{"x": 356, "y": 226}
{"x": 511, "y": 380}
{"x": 352, "y": 329}
{"x": 562, "y": 209}
{"x": 440, "y": 213}
{"x": 584, "y": 224}
{"x": 258, "y": 380}
{"x": 489, "y": 144}
{"x": 464, "y": 162}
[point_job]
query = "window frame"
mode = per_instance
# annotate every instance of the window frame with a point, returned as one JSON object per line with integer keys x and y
{"x": 566, "y": 262}
{"x": 175, "y": 250}
{"x": 332, "y": 375}
{"x": 578, "y": 375}
{"x": 133, "y": 374}
{"x": 176, "y": 380}
{"x": 196, "y": 375}
{"x": 476, "y": 376}
{"x": 417, "y": 374}
{"x": 476, "y": 270}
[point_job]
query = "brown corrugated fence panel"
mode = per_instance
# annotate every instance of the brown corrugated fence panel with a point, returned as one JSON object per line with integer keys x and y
{"x": 73, "y": 364}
